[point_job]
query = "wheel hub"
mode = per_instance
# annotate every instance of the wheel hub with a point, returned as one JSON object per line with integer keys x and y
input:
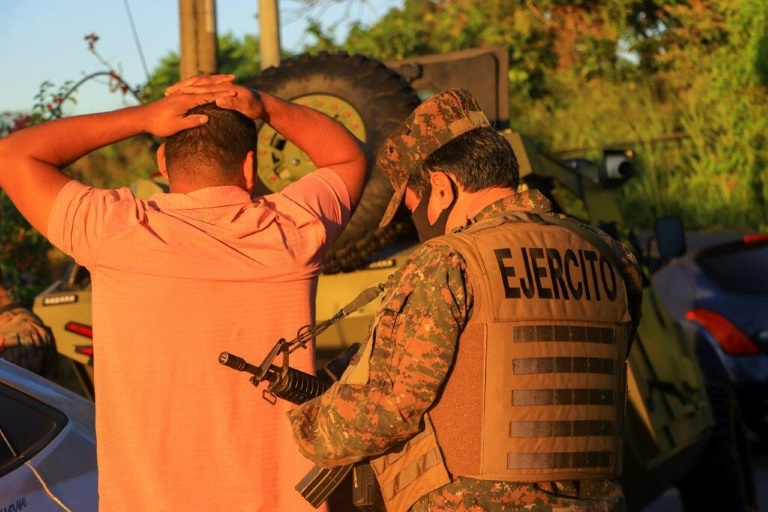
{"x": 280, "y": 162}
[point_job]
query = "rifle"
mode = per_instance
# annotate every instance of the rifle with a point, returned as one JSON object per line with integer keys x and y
{"x": 298, "y": 387}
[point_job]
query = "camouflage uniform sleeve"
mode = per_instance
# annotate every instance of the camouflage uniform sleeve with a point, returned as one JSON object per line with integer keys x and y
{"x": 414, "y": 335}
{"x": 24, "y": 340}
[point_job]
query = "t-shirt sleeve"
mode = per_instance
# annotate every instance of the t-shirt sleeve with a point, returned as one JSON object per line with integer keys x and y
{"x": 78, "y": 219}
{"x": 324, "y": 195}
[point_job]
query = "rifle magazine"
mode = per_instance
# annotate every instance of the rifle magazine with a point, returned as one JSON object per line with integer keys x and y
{"x": 319, "y": 483}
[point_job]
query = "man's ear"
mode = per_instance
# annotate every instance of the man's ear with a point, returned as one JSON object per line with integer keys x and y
{"x": 161, "y": 166}
{"x": 249, "y": 170}
{"x": 443, "y": 191}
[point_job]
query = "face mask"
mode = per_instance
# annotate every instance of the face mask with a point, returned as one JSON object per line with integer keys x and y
{"x": 419, "y": 217}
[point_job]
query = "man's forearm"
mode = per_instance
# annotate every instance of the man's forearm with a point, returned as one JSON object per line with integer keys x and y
{"x": 63, "y": 141}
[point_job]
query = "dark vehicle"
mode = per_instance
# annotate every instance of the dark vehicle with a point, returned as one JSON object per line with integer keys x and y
{"x": 47, "y": 445}
{"x": 716, "y": 284}
{"x": 679, "y": 433}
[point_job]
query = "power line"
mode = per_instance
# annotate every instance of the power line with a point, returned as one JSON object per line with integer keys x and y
{"x": 136, "y": 39}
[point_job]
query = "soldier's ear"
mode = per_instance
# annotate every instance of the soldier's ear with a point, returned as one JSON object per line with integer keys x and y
{"x": 443, "y": 189}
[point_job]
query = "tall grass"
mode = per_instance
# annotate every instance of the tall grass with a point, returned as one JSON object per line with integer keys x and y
{"x": 700, "y": 158}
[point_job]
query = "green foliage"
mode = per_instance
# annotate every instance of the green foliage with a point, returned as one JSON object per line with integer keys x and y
{"x": 117, "y": 165}
{"x": 23, "y": 254}
{"x": 48, "y": 103}
{"x": 165, "y": 75}
{"x": 240, "y": 57}
{"x": 681, "y": 83}
{"x": 719, "y": 100}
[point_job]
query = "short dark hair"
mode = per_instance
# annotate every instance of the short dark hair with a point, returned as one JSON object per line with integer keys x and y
{"x": 481, "y": 158}
{"x": 220, "y": 145}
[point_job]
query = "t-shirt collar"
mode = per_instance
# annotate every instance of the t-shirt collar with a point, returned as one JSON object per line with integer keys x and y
{"x": 209, "y": 197}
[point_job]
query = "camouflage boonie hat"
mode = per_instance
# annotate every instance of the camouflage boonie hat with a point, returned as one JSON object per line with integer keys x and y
{"x": 432, "y": 124}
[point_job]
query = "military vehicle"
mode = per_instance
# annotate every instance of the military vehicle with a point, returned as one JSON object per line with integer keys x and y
{"x": 683, "y": 428}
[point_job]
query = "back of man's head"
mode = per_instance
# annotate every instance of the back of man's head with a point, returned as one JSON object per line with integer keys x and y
{"x": 211, "y": 154}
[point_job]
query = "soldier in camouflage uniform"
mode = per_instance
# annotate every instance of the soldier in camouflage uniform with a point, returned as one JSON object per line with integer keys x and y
{"x": 24, "y": 339}
{"x": 456, "y": 174}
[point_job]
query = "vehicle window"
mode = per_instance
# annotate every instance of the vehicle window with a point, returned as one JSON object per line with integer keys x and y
{"x": 76, "y": 277}
{"x": 26, "y": 426}
{"x": 740, "y": 268}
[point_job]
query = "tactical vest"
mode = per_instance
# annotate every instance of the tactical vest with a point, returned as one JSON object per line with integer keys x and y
{"x": 537, "y": 390}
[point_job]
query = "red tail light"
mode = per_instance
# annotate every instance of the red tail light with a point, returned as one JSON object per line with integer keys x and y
{"x": 81, "y": 329}
{"x": 756, "y": 238}
{"x": 86, "y": 350}
{"x": 728, "y": 336}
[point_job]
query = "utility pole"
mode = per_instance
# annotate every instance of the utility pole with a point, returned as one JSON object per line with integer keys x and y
{"x": 199, "y": 40}
{"x": 269, "y": 33}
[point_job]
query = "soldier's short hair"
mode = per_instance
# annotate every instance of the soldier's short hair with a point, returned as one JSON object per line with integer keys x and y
{"x": 479, "y": 159}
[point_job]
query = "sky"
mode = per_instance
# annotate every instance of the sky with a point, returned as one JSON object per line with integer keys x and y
{"x": 43, "y": 40}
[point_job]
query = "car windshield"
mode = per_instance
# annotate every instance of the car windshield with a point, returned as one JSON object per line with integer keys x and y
{"x": 741, "y": 267}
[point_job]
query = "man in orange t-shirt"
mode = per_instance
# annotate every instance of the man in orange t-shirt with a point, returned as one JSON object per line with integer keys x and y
{"x": 180, "y": 277}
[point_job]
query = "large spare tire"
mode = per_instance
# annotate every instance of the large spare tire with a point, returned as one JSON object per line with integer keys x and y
{"x": 371, "y": 100}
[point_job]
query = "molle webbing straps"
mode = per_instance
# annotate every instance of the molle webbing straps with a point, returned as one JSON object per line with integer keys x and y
{"x": 592, "y": 334}
{"x": 561, "y": 397}
{"x": 566, "y": 428}
{"x": 550, "y": 363}
{"x": 563, "y": 460}
{"x": 539, "y": 365}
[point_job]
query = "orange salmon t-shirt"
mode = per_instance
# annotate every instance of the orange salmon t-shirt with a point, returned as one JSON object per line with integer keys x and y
{"x": 176, "y": 280}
